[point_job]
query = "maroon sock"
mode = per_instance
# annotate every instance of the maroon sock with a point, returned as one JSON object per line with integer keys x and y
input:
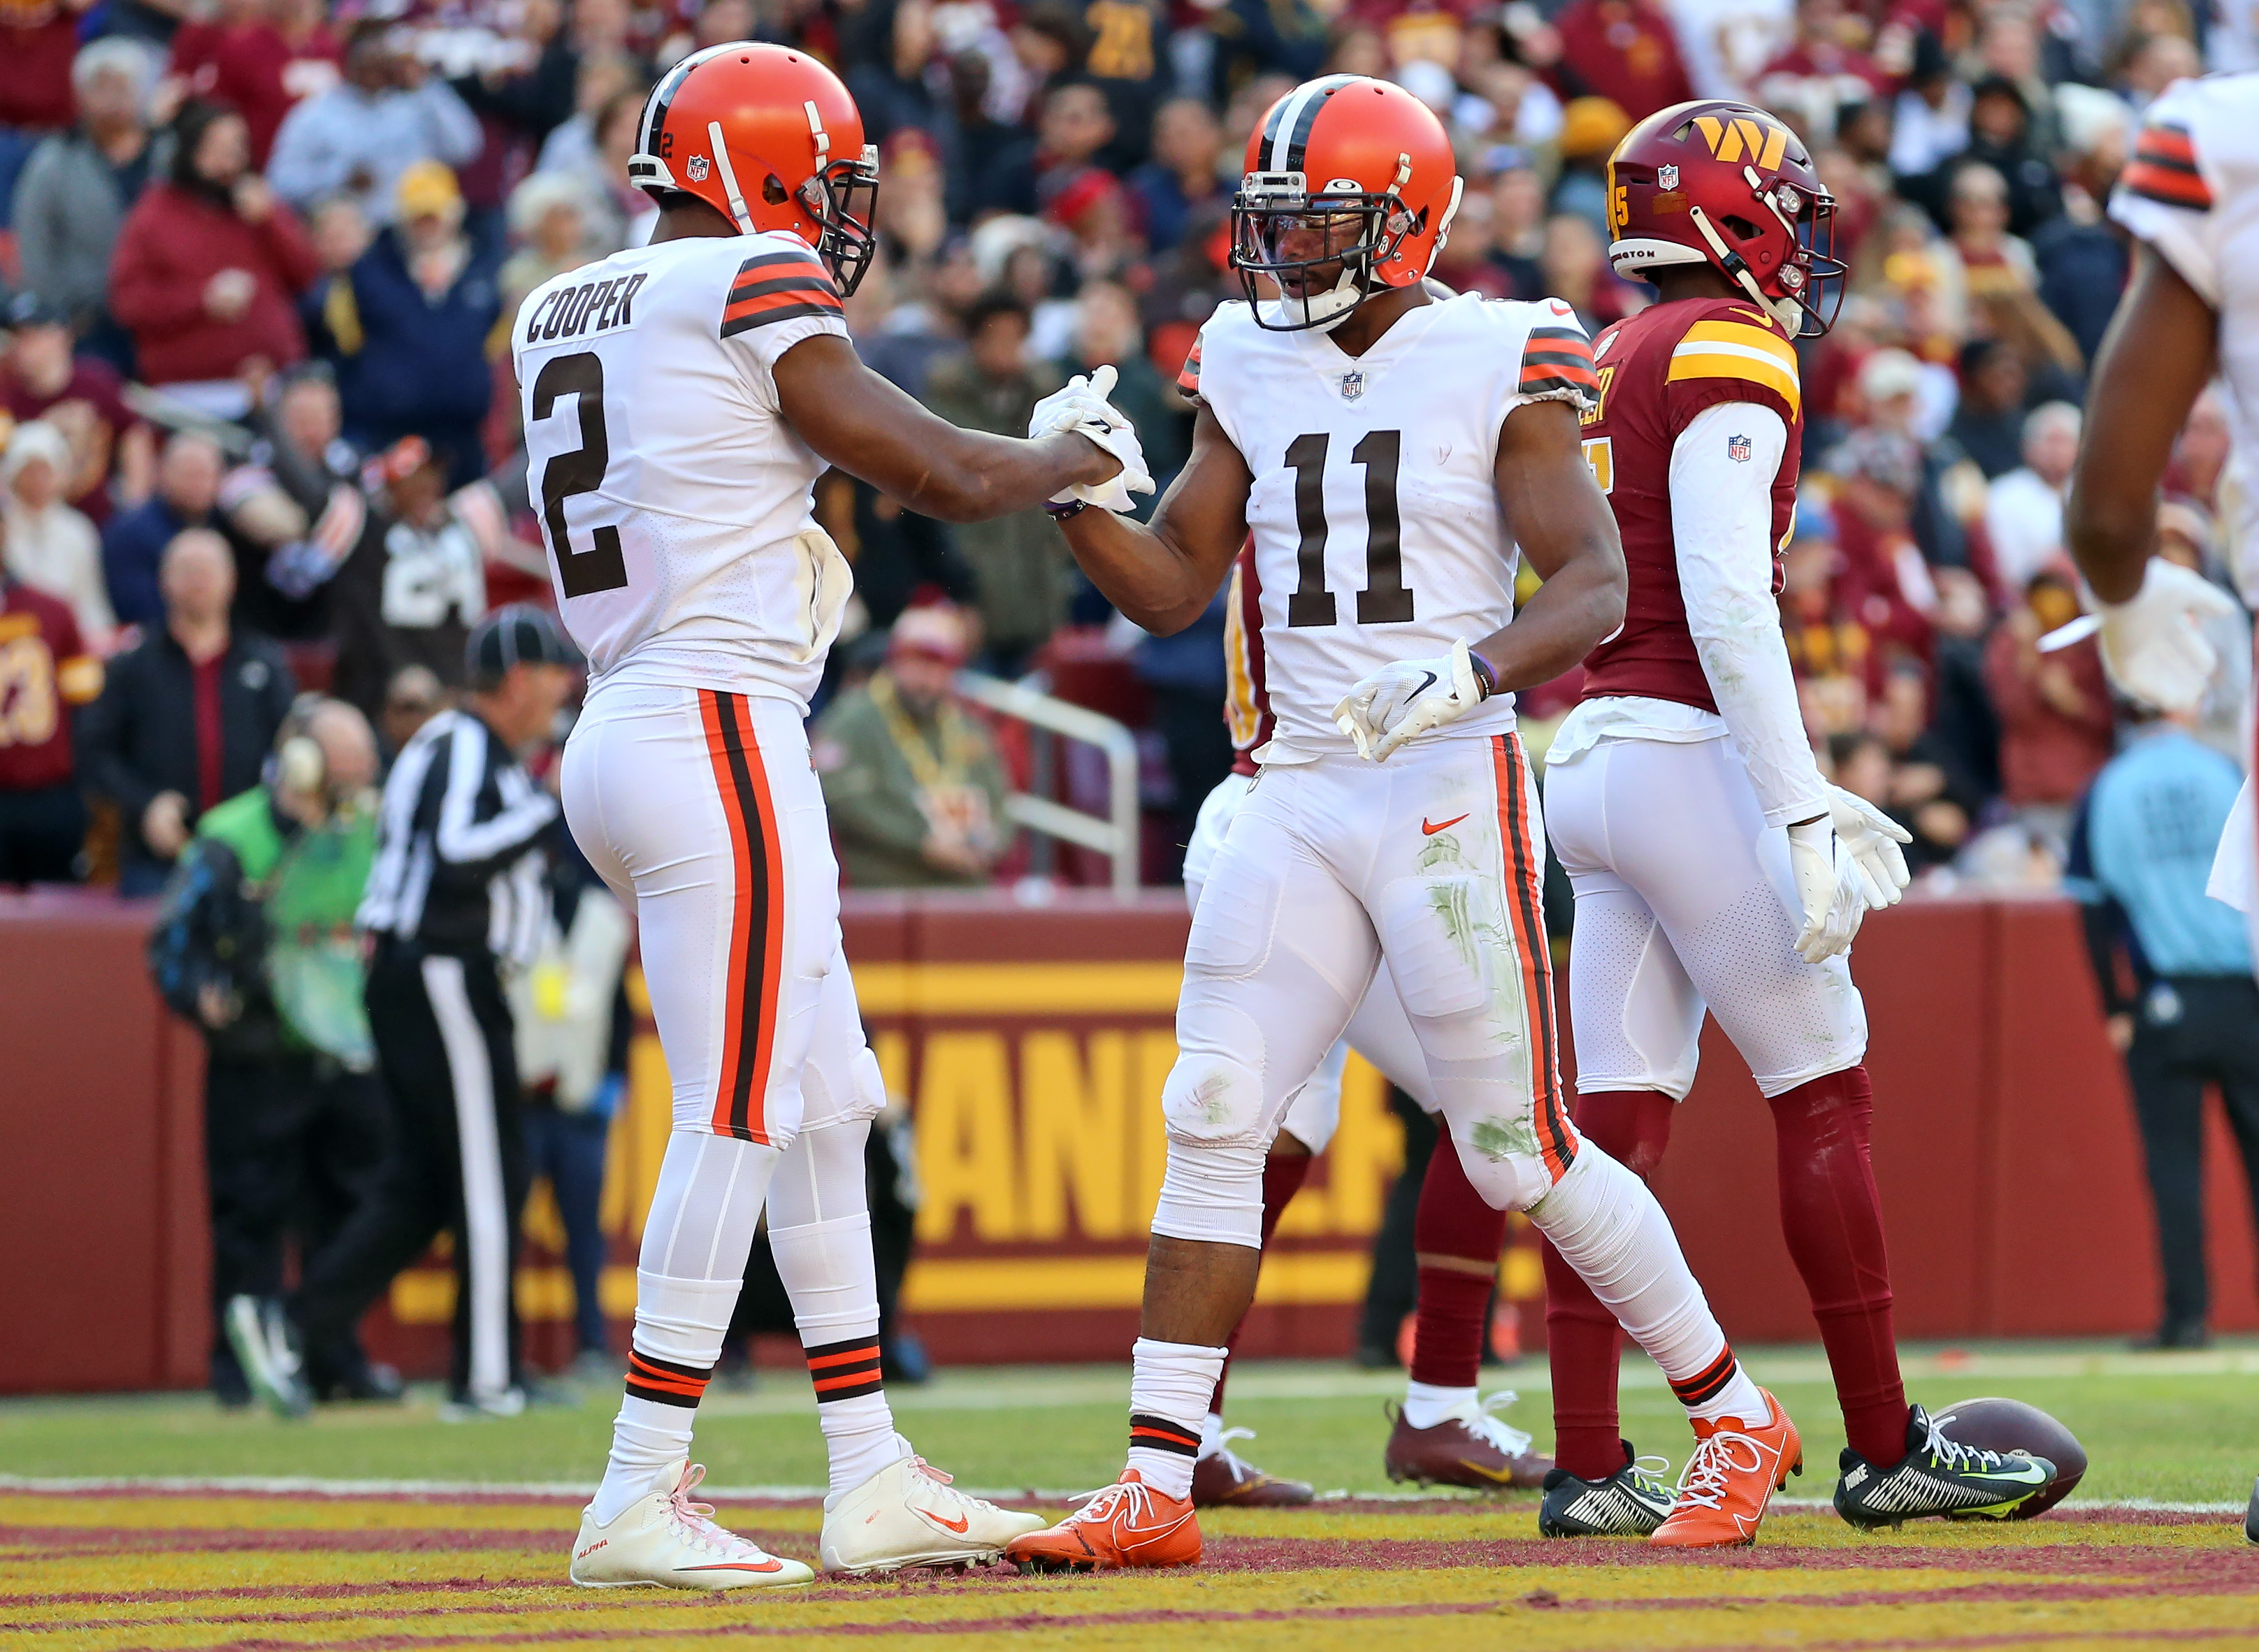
{"x": 1582, "y": 1342}
{"x": 1283, "y": 1175}
{"x": 1833, "y": 1220}
{"x": 1452, "y": 1221}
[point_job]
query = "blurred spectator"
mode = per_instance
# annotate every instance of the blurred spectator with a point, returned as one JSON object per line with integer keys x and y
{"x": 1106, "y": 335}
{"x": 255, "y": 946}
{"x": 2000, "y": 137}
{"x": 411, "y": 699}
{"x": 410, "y": 323}
{"x": 1185, "y": 673}
{"x": 84, "y": 399}
{"x": 551, "y": 218}
{"x": 1988, "y": 424}
{"x": 2185, "y": 535}
{"x": 36, "y": 44}
{"x": 910, "y": 775}
{"x": 48, "y": 545}
{"x": 187, "y": 716}
{"x": 1827, "y": 647}
{"x": 260, "y": 58}
{"x": 54, "y": 674}
{"x": 358, "y": 136}
{"x": 1077, "y": 124}
{"x": 1990, "y": 283}
{"x": 1625, "y": 50}
{"x": 1961, "y": 719}
{"x": 2023, "y": 509}
{"x": 208, "y": 267}
{"x": 1020, "y": 561}
{"x": 414, "y": 584}
{"x": 1910, "y": 401}
{"x": 1929, "y": 120}
{"x": 1126, "y": 62}
{"x": 79, "y": 184}
{"x": 1882, "y": 579}
{"x": 1823, "y": 69}
{"x": 186, "y": 495}
{"x": 2081, "y": 259}
{"x": 896, "y": 79}
{"x": 1929, "y": 794}
{"x": 2054, "y": 711}
{"x": 599, "y": 79}
{"x": 1591, "y": 129}
{"x": 340, "y": 233}
{"x": 1185, "y": 171}
{"x": 2190, "y": 1020}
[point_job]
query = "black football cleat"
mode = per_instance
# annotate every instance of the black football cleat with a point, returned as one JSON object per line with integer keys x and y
{"x": 1631, "y": 1502}
{"x": 1938, "y": 1476}
{"x": 2251, "y": 1518}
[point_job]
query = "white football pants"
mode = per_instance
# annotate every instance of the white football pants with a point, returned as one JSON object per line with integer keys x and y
{"x": 1685, "y": 899}
{"x": 1431, "y": 861}
{"x": 1380, "y": 1030}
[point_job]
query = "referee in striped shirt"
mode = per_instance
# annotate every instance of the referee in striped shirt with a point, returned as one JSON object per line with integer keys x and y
{"x": 455, "y": 897}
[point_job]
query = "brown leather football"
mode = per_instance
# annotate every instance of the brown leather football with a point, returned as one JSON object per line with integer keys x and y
{"x": 2010, "y": 1425}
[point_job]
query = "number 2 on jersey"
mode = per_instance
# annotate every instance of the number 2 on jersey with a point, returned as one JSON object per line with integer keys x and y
{"x": 602, "y": 567}
{"x": 1386, "y": 599}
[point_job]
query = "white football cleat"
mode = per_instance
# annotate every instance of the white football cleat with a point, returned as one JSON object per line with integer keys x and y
{"x": 908, "y": 1514}
{"x": 664, "y": 1538}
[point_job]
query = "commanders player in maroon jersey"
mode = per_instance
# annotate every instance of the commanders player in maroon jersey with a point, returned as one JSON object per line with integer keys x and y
{"x": 1712, "y": 864}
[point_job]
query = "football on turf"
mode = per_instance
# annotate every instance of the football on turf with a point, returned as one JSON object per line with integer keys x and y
{"x": 2010, "y": 1425}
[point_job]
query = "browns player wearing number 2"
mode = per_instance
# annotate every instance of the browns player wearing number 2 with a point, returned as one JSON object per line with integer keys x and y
{"x": 680, "y": 399}
{"x": 1712, "y": 864}
{"x": 1389, "y": 452}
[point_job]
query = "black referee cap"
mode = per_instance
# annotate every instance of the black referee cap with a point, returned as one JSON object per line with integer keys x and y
{"x": 519, "y": 634}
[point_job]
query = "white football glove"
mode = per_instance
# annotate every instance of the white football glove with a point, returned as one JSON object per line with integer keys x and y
{"x": 1873, "y": 838}
{"x": 2152, "y": 644}
{"x": 1081, "y": 405}
{"x": 1834, "y": 889}
{"x": 1408, "y": 698}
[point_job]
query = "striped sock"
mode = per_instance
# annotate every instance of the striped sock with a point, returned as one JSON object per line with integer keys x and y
{"x": 666, "y": 1382}
{"x": 1722, "y": 1388}
{"x": 851, "y": 1406}
{"x": 1169, "y": 1389}
{"x": 652, "y": 1432}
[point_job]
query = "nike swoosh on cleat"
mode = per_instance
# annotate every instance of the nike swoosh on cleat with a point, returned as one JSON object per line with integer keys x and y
{"x": 958, "y": 1526}
{"x": 1430, "y": 830}
{"x": 738, "y": 1565}
{"x": 1493, "y": 1475}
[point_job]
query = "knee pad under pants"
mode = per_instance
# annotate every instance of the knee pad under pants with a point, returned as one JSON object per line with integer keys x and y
{"x": 1213, "y": 1192}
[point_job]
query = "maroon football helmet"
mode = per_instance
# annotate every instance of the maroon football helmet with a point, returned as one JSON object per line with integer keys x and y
{"x": 1727, "y": 185}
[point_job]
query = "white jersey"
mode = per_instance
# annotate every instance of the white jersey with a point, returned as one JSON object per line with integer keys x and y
{"x": 674, "y": 497}
{"x": 1374, "y": 509}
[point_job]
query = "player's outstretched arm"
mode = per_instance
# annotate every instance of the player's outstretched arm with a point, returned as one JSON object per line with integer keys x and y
{"x": 1561, "y": 520}
{"x": 2152, "y": 366}
{"x": 866, "y": 427}
{"x": 1162, "y": 575}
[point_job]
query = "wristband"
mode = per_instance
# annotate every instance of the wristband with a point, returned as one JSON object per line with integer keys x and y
{"x": 1486, "y": 678}
{"x": 1072, "y": 507}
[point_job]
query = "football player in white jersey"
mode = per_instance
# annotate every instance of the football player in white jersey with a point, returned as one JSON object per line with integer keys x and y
{"x": 2190, "y": 198}
{"x": 680, "y": 399}
{"x": 1388, "y": 452}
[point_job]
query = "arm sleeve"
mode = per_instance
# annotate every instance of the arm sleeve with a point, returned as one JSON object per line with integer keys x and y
{"x": 1721, "y": 519}
{"x": 2164, "y": 197}
{"x": 465, "y": 842}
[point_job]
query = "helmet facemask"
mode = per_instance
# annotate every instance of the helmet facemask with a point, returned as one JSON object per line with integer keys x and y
{"x": 1297, "y": 239}
{"x": 1810, "y": 276}
{"x": 842, "y": 198}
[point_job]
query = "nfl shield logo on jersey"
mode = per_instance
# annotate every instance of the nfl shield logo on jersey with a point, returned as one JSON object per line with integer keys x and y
{"x": 697, "y": 168}
{"x": 1666, "y": 177}
{"x": 1737, "y": 449}
{"x": 1352, "y": 384}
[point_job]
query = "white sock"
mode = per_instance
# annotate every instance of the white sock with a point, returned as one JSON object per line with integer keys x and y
{"x": 1427, "y": 1404}
{"x": 695, "y": 1244}
{"x": 1607, "y": 1226}
{"x": 820, "y": 1234}
{"x": 1211, "y": 1435}
{"x": 1170, "y": 1386}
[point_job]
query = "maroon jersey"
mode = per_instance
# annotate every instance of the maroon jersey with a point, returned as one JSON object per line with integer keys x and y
{"x": 1657, "y": 370}
{"x": 45, "y": 671}
{"x": 1246, "y": 701}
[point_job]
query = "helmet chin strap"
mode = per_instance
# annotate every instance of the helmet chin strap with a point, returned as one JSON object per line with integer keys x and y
{"x": 1786, "y": 311}
{"x": 729, "y": 178}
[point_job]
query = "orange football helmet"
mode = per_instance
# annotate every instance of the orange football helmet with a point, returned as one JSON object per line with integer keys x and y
{"x": 770, "y": 140}
{"x": 1350, "y": 190}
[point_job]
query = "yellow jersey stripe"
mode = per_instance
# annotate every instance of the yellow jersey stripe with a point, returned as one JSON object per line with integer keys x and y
{"x": 1735, "y": 333}
{"x": 1728, "y": 361}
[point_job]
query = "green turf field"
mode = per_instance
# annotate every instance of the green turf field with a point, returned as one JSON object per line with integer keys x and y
{"x": 2173, "y": 1428}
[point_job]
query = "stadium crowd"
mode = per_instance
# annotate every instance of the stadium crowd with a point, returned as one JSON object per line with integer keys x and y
{"x": 260, "y": 438}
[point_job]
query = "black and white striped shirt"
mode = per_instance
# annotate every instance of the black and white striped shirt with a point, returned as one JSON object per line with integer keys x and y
{"x": 457, "y": 870}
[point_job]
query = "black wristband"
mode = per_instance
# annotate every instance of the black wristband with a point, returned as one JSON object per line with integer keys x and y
{"x": 1484, "y": 677}
{"x": 1072, "y": 507}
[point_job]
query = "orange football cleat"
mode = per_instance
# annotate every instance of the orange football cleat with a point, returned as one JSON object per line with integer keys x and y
{"x": 1730, "y": 1479}
{"x": 1128, "y": 1524}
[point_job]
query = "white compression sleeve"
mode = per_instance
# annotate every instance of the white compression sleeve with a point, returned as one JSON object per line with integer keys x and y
{"x": 1722, "y": 523}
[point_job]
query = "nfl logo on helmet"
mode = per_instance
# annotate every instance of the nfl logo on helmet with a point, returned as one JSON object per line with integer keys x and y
{"x": 1738, "y": 449}
{"x": 1666, "y": 177}
{"x": 697, "y": 168}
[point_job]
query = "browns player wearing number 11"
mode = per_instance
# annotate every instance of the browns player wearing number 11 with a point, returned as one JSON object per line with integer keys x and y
{"x": 1389, "y": 453}
{"x": 680, "y": 399}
